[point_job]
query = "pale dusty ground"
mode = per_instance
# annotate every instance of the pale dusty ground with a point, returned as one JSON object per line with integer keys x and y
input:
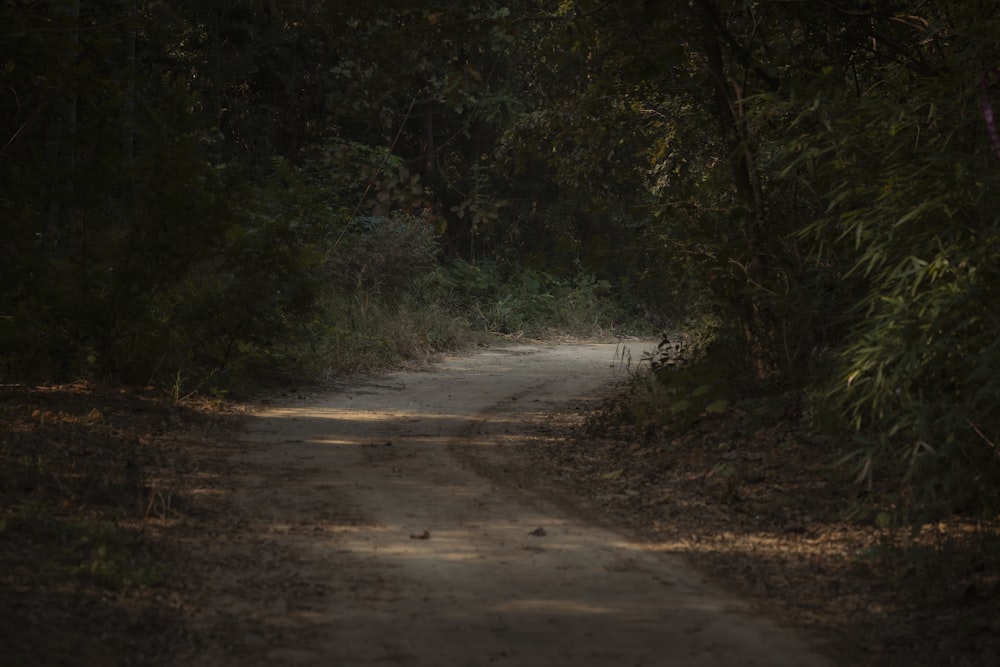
{"x": 359, "y": 535}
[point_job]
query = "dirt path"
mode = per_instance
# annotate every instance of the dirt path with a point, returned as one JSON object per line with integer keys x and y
{"x": 359, "y": 534}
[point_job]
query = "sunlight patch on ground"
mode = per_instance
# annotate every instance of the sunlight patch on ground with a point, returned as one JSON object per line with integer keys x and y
{"x": 756, "y": 545}
{"x": 552, "y": 606}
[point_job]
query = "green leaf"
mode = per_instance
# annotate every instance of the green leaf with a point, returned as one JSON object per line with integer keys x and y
{"x": 680, "y": 406}
{"x": 717, "y": 407}
{"x": 701, "y": 390}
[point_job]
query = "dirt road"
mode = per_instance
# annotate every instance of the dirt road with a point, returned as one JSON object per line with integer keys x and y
{"x": 360, "y": 535}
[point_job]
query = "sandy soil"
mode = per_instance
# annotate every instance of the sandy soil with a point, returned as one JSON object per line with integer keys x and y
{"x": 378, "y": 524}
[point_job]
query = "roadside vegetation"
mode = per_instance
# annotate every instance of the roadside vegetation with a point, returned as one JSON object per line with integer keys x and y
{"x": 761, "y": 499}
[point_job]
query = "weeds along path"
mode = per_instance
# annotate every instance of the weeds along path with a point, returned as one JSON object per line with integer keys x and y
{"x": 360, "y": 537}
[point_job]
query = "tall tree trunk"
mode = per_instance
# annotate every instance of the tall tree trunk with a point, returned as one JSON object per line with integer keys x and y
{"x": 128, "y": 125}
{"x": 730, "y": 107}
{"x": 60, "y": 153}
{"x": 61, "y": 131}
{"x": 217, "y": 89}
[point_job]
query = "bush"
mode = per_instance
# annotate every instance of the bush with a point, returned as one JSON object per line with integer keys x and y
{"x": 912, "y": 197}
{"x": 521, "y": 301}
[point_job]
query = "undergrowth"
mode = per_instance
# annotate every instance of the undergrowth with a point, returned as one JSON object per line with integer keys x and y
{"x": 688, "y": 401}
{"x": 386, "y": 299}
{"x": 522, "y": 301}
{"x": 435, "y": 308}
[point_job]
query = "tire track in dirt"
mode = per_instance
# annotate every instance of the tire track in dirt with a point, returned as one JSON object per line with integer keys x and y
{"x": 367, "y": 538}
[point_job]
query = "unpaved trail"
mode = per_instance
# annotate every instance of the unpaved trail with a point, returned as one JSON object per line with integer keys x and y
{"x": 361, "y": 536}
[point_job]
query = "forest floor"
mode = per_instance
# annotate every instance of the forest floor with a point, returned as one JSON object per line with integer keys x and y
{"x": 426, "y": 517}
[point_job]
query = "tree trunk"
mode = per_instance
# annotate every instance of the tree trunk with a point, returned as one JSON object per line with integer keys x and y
{"x": 730, "y": 107}
{"x": 60, "y": 140}
{"x": 128, "y": 125}
{"x": 728, "y": 99}
{"x": 61, "y": 132}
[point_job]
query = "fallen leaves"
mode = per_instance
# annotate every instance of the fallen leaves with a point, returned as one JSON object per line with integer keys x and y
{"x": 84, "y": 471}
{"x": 759, "y": 507}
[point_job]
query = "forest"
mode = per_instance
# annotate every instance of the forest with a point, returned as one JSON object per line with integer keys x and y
{"x": 200, "y": 194}
{"x": 804, "y": 195}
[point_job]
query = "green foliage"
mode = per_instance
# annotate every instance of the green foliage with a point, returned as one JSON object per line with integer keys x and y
{"x": 522, "y": 301}
{"x": 696, "y": 374}
{"x": 830, "y": 202}
{"x": 842, "y": 220}
{"x": 908, "y": 189}
{"x": 191, "y": 194}
{"x": 690, "y": 376}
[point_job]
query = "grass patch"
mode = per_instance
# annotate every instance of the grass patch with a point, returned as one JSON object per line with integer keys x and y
{"x": 535, "y": 304}
{"x": 439, "y": 308}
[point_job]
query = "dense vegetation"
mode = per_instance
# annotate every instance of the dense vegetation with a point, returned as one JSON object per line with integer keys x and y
{"x": 194, "y": 194}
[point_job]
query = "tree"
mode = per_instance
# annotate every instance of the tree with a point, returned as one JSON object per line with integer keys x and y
{"x": 834, "y": 217}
